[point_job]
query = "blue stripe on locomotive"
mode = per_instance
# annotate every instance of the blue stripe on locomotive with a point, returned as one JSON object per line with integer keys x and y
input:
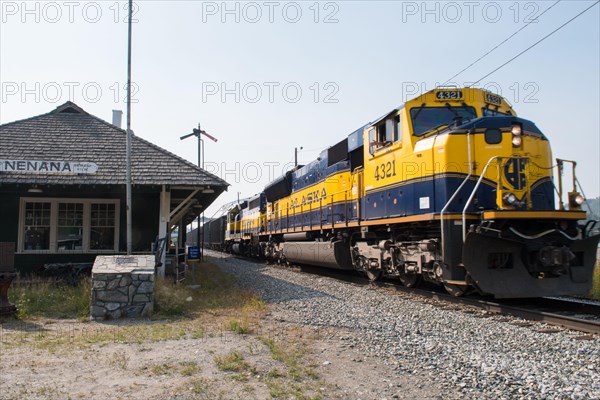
{"x": 430, "y": 196}
{"x": 380, "y": 204}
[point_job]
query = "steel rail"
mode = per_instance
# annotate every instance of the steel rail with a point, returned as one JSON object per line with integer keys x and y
{"x": 551, "y": 318}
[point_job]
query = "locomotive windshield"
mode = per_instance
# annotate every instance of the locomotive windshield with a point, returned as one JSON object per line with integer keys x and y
{"x": 488, "y": 112}
{"x": 425, "y": 119}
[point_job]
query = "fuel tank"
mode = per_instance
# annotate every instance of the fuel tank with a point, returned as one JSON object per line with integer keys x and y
{"x": 323, "y": 254}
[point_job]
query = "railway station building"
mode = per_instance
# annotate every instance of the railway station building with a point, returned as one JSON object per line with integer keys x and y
{"x": 63, "y": 189}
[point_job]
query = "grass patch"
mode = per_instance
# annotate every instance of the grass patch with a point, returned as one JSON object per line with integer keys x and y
{"x": 189, "y": 368}
{"x": 47, "y": 298}
{"x": 160, "y": 369}
{"x": 239, "y": 326}
{"x": 233, "y": 362}
{"x": 291, "y": 357}
{"x": 205, "y": 389}
{"x": 119, "y": 360}
{"x": 216, "y": 290}
{"x": 297, "y": 381}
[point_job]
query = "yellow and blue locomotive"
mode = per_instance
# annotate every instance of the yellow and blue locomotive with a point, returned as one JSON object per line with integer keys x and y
{"x": 452, "y": 187}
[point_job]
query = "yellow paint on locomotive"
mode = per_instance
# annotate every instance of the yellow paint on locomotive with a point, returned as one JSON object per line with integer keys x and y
{"x": 334, "y": 189}
{"x": 252, "y": 223}
{"x": 406, "y": 157}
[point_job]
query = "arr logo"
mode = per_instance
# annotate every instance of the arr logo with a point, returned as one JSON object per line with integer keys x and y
{"x": 514, "y": 172}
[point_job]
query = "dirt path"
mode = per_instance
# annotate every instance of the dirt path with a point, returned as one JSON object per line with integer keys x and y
{"x": 52, "y": 359}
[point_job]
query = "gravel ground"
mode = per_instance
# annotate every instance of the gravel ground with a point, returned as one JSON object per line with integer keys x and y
{"x": 466, "y": 354}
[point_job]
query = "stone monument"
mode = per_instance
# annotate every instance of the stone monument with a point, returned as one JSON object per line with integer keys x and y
{"x": 122, "y": 287}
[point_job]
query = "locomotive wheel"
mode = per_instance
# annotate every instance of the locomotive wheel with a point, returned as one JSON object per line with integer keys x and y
{"x": 409, "y": 280}
{"x": 373, "y": 274}
{"x": 456, "y": 290}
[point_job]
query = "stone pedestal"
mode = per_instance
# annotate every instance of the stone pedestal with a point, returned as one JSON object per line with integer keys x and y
{"x": 7, "y": 274}
{"x": 122, "y": 287}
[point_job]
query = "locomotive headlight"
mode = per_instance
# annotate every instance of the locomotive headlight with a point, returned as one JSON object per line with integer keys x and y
{"x": 576, "y": 199}
{"x": 517, "y": 134}
{"x": 509, "y": 199}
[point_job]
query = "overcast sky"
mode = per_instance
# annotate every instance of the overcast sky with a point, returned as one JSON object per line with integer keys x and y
{"x": 265, "y": 77}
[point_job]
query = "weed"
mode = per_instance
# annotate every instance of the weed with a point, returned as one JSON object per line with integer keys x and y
{"x": 189, "y": 368}
{"x": 240, "y": 327}
{"x": 275, "y": 373}
{"x": 233, "y": 362}
{"x": 47, "y": 298}
{"x": 120, "y": 360}
{"x": 204, "y": 390}
{"x": 291, "y": 357}
{"x": 198, "y": 333}
{"x": 215, "y": 290}
{"x": 160, "y": 369}
{"x": 239, "y": 378}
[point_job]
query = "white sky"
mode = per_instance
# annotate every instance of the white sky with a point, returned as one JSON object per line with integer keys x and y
{"x": 366, "y": 59}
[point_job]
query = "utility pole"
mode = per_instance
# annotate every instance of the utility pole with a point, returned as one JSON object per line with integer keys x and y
{"x": 296, "y": 155}
{"x": 128, "y": 145}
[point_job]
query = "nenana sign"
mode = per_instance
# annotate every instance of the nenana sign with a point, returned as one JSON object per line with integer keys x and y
{"x": 48, "y": 167}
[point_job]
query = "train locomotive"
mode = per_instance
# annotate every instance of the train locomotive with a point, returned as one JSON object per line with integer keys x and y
{"x": 452, "y": 187}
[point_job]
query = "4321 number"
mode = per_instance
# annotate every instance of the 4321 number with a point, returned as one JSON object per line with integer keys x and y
{"x": 385, "y": 170}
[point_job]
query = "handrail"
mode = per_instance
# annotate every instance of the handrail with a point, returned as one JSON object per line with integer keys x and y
{"x": 468, "y": 203}
{"x": 498, "y": 186}
{"x": 560, "y": 164}
{"x": 456, "y": 192}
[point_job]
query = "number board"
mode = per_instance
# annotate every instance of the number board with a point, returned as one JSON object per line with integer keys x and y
{"x": 449, "y": 95}
{"x": 385, "y": 170}
{"x": 493, "y": 99}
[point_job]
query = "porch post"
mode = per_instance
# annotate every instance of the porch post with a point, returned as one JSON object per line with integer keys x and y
{"x": 163, "y": 222}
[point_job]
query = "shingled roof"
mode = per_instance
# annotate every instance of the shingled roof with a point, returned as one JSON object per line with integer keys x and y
{"x": 68, "y": 133}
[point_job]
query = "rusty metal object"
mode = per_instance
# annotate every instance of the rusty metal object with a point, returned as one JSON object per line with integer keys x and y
{"x": 7, "y": 274}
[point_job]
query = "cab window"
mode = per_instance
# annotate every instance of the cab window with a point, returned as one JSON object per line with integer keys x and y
{"x": 384, "y": 134}
{"x": 397, "y": 129}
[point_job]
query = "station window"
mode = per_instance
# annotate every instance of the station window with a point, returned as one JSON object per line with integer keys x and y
{"x": 69, "y": 225}
{"x": 102, "y": 223}
{"x": 36, "y": 227}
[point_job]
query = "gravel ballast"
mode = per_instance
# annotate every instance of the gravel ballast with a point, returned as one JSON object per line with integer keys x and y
{"x": 471, "y": 353}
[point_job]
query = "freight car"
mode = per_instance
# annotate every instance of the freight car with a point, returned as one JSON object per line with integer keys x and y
{"x": 452, "y": 187}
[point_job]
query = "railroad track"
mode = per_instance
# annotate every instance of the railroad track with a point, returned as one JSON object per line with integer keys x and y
{"x": 583, "y": 316}
{"x": 571, "y": 314}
